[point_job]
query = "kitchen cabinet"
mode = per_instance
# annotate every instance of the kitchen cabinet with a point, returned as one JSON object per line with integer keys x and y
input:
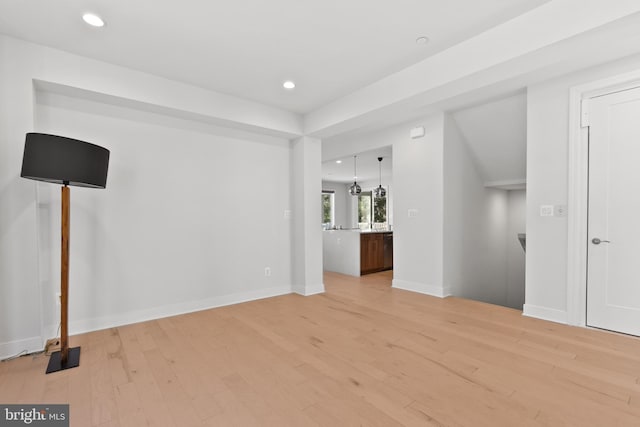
{"x": 388, "y": 251}
{"x": 376, "y": 252}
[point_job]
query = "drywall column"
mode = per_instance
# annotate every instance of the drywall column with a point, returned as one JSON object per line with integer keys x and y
{"x": 418, "y": 209}
{"x": 306, "y": 178}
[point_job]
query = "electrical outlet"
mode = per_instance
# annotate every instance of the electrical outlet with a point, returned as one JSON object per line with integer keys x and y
{"x": 287, "y": 214}
{"x": 267, "y": 272}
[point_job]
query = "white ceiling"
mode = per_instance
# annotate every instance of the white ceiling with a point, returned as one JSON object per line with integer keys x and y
{"x": 356, "y": 62}
{"x": 496, "y": 135}
{"x": 247, "y": 48}
{"x": 368, "y": 167}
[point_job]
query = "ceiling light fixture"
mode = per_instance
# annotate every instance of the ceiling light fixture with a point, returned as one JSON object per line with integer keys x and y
{"x": 380, "y": 192}
{"x": 93, "y": 20}
{"x": 355, "y": 189}
{"x": 422, "y": 40}
{"x": 288, "y": 85}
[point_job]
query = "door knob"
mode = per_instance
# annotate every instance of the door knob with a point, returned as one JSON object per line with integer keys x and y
{"x": 597, "y": 241}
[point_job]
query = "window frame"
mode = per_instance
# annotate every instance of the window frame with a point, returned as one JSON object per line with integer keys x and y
{"x": 332, "y": 209}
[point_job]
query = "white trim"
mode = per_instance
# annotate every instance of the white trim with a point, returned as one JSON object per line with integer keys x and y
{"x": 577, "y": 212}
{"x": 309, "y": 290}
{"x": 120, "y": 319}
{"x": 11, "y": 348}
{"x": 545, "y": 313}
{"x": 578, "y": 188}
{"x": 422, "y": 288}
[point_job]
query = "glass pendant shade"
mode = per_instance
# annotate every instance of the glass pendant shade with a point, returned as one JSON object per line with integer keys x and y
{"x": 380, "y": 192}
{"x": 355, "y": 189}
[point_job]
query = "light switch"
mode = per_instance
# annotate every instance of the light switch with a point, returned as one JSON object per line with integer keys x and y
{"x": 412, "y": 213}
{"x": 546, "y": 210}
{"x": 560, "y": 210}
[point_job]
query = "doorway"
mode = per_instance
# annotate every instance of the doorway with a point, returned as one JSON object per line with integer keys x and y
{"x": 358, "y": 225}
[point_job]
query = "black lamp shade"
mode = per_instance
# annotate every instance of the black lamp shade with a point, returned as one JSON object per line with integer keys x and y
{"x": 62, "y": 160}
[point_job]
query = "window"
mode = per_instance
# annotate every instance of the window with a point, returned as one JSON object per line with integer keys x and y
{"x": 372, "y": 211}
{"x": 328, "y": 209}
{"x": 380, "y": 210}
{"x": 364, "y": 210}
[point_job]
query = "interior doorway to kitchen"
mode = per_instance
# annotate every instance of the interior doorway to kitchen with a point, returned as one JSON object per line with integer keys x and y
{"x": 357, "y": 213}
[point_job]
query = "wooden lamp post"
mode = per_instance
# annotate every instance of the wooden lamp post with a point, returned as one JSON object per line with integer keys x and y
{"x": 64, "y": 161}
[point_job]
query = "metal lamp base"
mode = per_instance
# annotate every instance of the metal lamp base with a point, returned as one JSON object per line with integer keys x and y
{"x": 73, "y": 360}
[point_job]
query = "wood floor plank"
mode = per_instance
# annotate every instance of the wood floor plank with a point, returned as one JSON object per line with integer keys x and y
{"x": 362, "y": 353}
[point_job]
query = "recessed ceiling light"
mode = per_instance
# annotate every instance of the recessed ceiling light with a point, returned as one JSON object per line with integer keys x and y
{"x": 338, "y": 161}
{"x": 288, "y": 85}
{"x": 93, "y": 20}
{"x": 422, "y": 40}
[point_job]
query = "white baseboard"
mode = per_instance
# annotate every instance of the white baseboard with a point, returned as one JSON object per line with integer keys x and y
{"x": 11, "y": 348}
{"x": 423, "y": 288}
{"x": 545, "y": 313}
{"x": 308, "y": 290}
{"x": 120, "y": 319}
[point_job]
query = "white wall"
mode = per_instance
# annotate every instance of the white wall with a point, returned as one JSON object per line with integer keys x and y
{"x": 20, "y": 321}
{"x": 341, "y": 251}
{"x": 517, "y": 217}
{"x": 156, "y": 241}
{"x": 463, "y": 226}
{"x": 495, "y": 214}
{"x": 189, "y": 219}
{"x": 418, "y": 186}
{"x": 547, "y": 169}
{"x": 475, "y": 226}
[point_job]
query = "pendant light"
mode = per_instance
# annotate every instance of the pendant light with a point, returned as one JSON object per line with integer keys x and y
{"x": 355, "y": 188}
{"x": 380, "y": 192}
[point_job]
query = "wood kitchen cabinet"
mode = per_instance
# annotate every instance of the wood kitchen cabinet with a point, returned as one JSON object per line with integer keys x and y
{"x": 376, "y": 252}
{"x": 387, "y": 240}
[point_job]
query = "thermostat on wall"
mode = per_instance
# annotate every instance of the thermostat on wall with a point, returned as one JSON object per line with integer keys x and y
{"x": 417, "y": 132}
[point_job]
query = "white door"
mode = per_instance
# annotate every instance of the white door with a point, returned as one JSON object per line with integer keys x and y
{"x": 613, "y": 272}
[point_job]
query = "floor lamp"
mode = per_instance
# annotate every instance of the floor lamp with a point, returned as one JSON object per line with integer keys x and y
{"x": 64, "y": 161}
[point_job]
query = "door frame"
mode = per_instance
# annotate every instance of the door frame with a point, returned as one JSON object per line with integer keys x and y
{"x": 577, "y": 190}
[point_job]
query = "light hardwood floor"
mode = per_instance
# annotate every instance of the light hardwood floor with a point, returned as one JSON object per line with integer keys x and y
{"x": 360, "y": 354}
